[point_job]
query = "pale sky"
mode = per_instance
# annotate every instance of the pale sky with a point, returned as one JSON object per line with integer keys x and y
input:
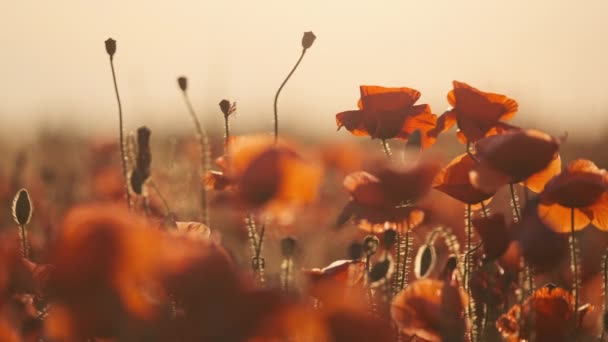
{"x": 550, "y": 55}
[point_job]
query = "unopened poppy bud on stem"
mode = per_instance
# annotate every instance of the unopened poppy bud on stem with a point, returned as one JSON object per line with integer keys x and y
{"x": 183, "y": 83}
{"x": 308, "y": 39}
{"x": 110, "y": 47}
{"x": 226, "y": 107}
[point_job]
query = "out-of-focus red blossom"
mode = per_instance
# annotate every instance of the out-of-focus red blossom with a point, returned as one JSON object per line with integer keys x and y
{"x": 477, "y": 113}
{"x": 431, "y": 309}
{"x": 108, "y": 184}
{"x": 218, "y": 180}
{"x": 104, "y": 258}
{"x": 527, "y": 156}
{"x": 342, "y": 316}
{"x": 341, "y": 157}
{"x": 387, "y": 199}
{"x": 454, "y": 181}
{"x": 581, "y": 187}
{"x": 387, "y": 113}
{"x": 543, "y": 248}
{"x": 214, "y": 303}
{"x": 269, "y": 177}
{"x": 494, "y": 234}
{"x": 192, "y": 230}
{"x": 549, "y": 315}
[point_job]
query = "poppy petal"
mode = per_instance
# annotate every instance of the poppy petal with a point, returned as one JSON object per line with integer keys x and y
{"x": 420, "y": 118}
{"x": 454, "y": 181}
{"x": 377, "y": 98}
{"x": 600, "y": 213}
{"x": 352, "y": 120}
{"x": 537, "y": 181}
{"x": 444, "y": 123}
{"x": 559, "y": 218}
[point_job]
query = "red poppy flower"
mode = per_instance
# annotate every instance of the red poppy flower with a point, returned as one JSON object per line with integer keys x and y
{"x": 387, "y": 200}
{"x": 431, "y": 309}
{"x": 548, "y": 314}
{"x": 528, "y": 156}
{"x": 581, "y": 187}
{"x": 477, "y": 113}
{"x": 269, "y": 177}
{"x": 387, "y": 113}
{"x": 454, "y": 181}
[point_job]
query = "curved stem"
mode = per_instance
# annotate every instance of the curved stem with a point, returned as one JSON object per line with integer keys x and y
{"x": 276, "y": 97}
{"x": 203, "y": 141}
{"x": 514, "y": 203}
{"x": 121, "y": 135}
{"x": 404, "y": 262}
{"x": 24, "y": 244}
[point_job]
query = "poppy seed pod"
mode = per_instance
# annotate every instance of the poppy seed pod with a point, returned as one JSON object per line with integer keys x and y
{"x": 182, "y": 82}
{"x": 308, "y": 39}
{"x": 22, "y": 207}
{"x": 225, "y": 107}
{"x": 390, "y": 238}
{"x": 110, "y": 47}
{"x": 425, "y": 261}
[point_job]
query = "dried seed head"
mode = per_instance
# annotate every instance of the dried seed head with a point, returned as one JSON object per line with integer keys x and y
{"x": 370, "y": 245}
{"x": 182, "y": 82}
{"x": 110, "y": 47}
{"x": 288, "y": 246}
{"x": 355, "y": 251}
{"x": 227, "y": 108}
{"x": 390, "y": 238}
{"x": 425, "y": 261}
{"x": 22, "y": 207}
{"x": 308, "y": 39}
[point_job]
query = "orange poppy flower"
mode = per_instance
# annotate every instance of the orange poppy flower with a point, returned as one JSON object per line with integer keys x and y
{"x": 548, "y": 314}
{"x": 581, "y": 187}
{"x": 387, "y": 200}
{"x": 387, "y": 113}
{"x": 477, "y": 113}
{"x": 526, "y": 155}
{"x": 273, "y": 178}
{"x": 102, "y": 256}
{"x": 431, "y": 309}
{"x": 454, "y": 181}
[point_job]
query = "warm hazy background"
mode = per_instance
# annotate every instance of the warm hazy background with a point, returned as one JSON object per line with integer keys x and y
{"x": 551, "y": 55}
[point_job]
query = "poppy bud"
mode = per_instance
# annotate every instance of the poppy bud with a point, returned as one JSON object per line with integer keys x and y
{"x": 183, "y": 83}
{"x": 355, "y": 251}
{"x": 22, "y": 207}
{"x": 110, "y": 47}
{"x": 308, "y": 39}
{"x": 425, "y": 261}
{"x": 390, "y": 238}
{"x": 370, "y": 245}
{"x": 225, "y": 107}
{"x": 288, "y": 246}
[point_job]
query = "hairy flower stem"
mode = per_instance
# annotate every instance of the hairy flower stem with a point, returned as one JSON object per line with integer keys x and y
{"x": 123, "y": 156}
{"x": 387, "y": 149}
{"x": 527, "y": 281}
{"x": 286, "y": 267}
{"x": 470, "y": 311}
{"x": 24, "y": 245}
{"x": 405, "y": 251}
{"x": 605, "y": 284}
{"x": 205, "y": 154}
{"x": 574, "y": 262}
{"x": 276, "y": 96}
{"x": 226, "y": 134}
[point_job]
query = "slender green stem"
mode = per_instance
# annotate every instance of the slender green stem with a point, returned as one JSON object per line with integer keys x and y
{"x": 203, "y": 141}
{"x": 276, "y": 97}
{"x": 121, "y": 135}
{"x": 387, "y": 149}
{"x": 226, "y": 134}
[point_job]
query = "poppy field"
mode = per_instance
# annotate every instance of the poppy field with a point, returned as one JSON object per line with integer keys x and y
{"x": 216, "y": 236}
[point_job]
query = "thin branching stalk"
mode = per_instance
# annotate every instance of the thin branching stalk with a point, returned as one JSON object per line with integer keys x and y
{"x": 121, "y": 132}
{"x": 514, "y": 203}
{"x": 205, "y": 154}
{"x": 605, "y": 288}
{"x": 276, "y": 96}
{"x": 404, "y": 250}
